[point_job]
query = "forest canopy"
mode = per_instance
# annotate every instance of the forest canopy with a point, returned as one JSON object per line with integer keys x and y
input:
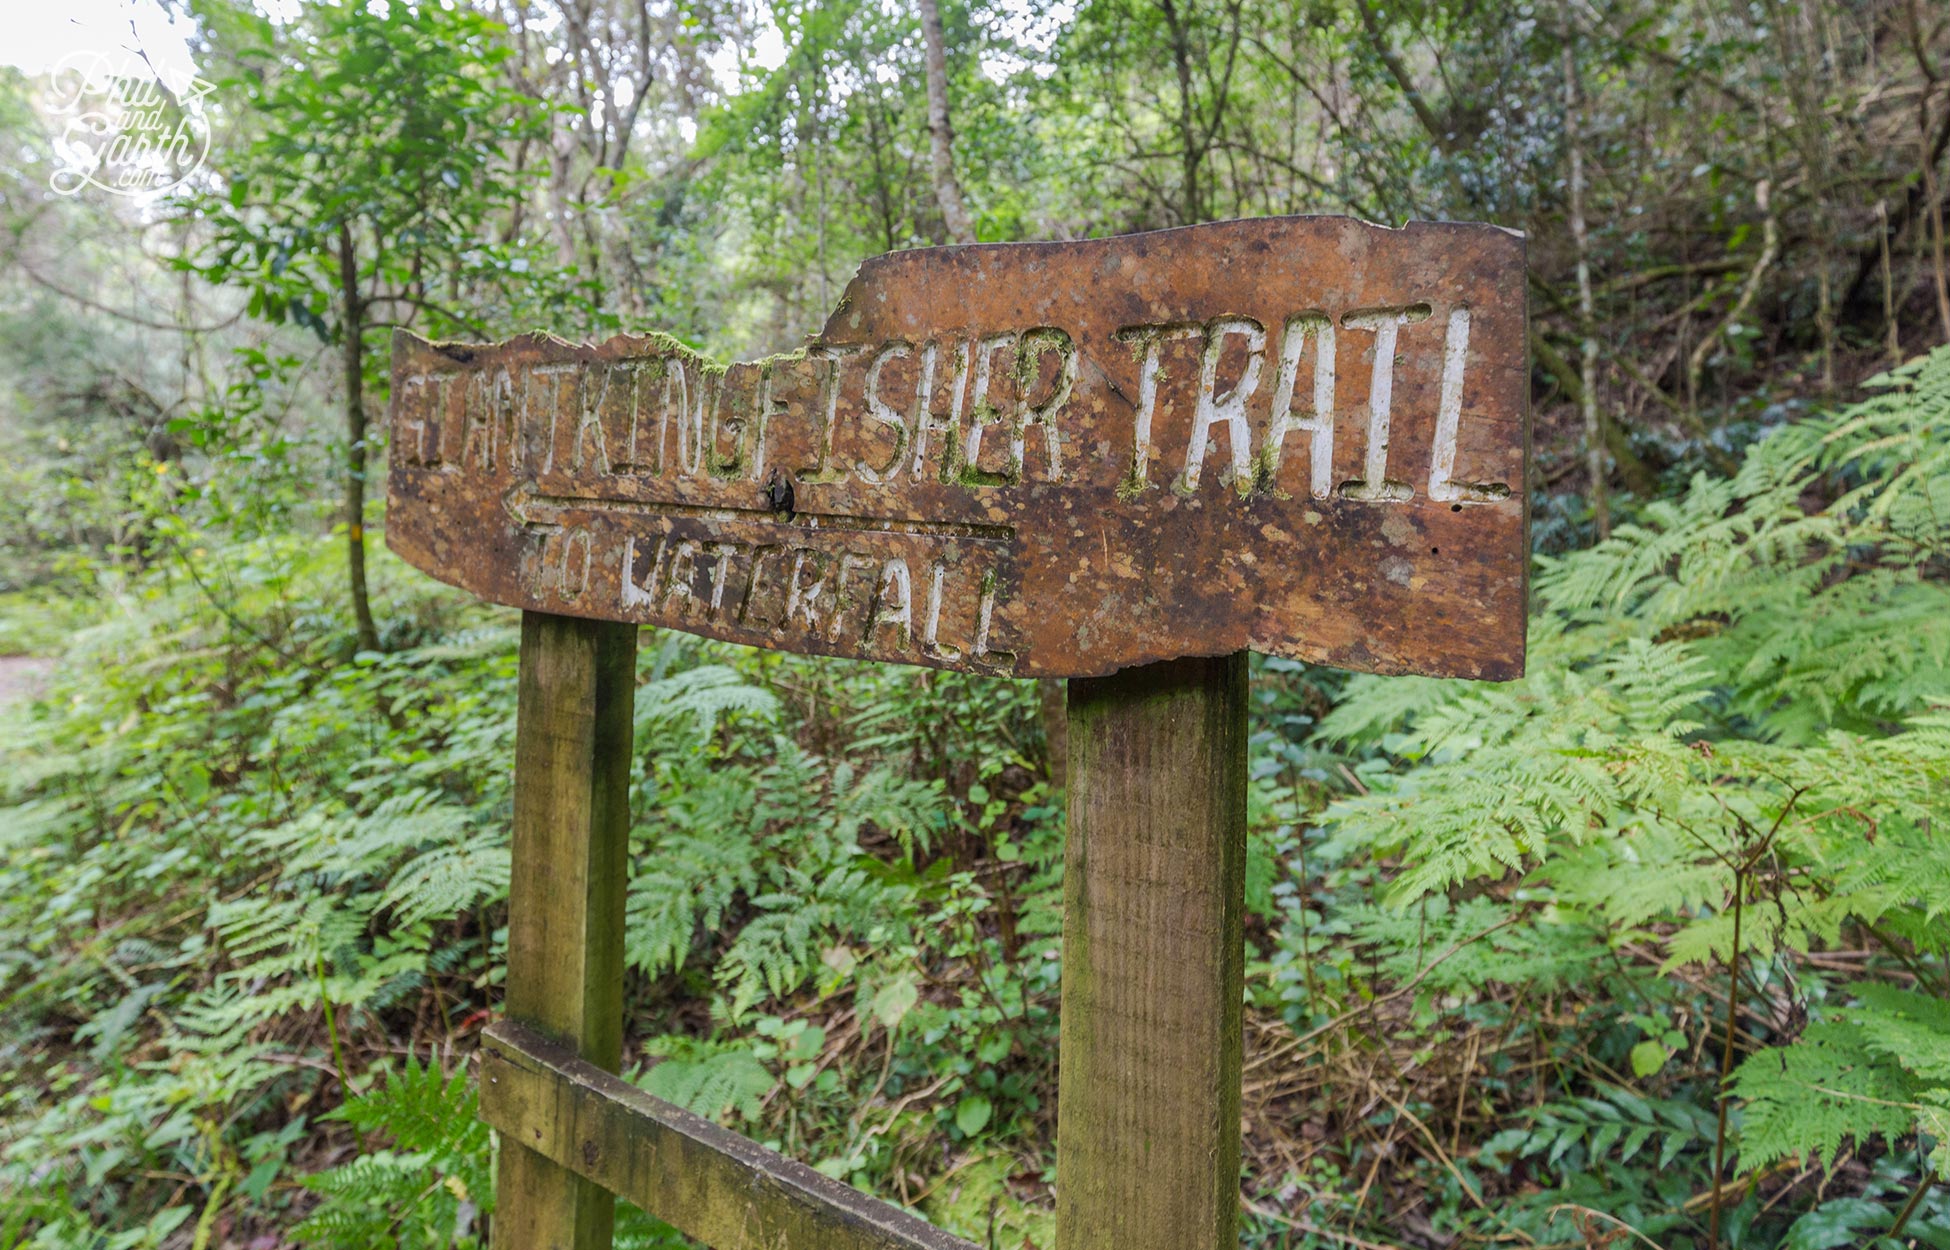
{"x": 1647, "y": 947}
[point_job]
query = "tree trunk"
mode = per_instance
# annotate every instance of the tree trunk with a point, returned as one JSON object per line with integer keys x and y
{"x": 1919, "y": 43}
{"x": 1795, "y": 39}
{"x": 1191, "y": 209}
{"x": 354, "y": 349}
{"x": 947, "y": 189}
{"x": 1938, "y": 270}
{"x": 1892, "y": 334}
{"x": 1594, "y": 431}
{"x": 1637, "y": 476}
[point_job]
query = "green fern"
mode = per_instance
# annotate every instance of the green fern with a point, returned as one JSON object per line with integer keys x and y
{"x": 712, "y": 1079}
{"x": 1879, "y": 1068}
{"x": 429, "y": 1190}
{"x": 1613, "y": 1124}
{"x": 779, "y": 948}
{"x": 703, "y": 696}
{"x": 763, "y": 867}
{"x": 1818, "y": 1095}
{"x": 1736, "y": 719}
{"x": 449, "y": 880}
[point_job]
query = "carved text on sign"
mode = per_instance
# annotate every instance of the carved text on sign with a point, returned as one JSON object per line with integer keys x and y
{"x": 1300, "y": 435}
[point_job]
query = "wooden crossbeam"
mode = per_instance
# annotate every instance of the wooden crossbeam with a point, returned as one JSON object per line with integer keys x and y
{"x": 726, "y": 1191}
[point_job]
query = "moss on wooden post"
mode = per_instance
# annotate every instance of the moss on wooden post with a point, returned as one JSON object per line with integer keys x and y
{"x": 1153, "y": 959}
{"x": 565, "y": 905}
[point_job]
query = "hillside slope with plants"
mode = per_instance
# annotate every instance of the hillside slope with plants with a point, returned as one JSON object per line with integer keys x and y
{"x": 1648, "y": 948}
{"x": 1526, "y": 959}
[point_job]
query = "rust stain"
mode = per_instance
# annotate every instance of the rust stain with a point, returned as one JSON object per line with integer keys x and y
{"x": 1306, "y": 436}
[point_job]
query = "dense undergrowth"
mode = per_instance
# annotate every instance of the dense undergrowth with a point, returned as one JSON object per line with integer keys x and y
{"x": 1506, "y": 941}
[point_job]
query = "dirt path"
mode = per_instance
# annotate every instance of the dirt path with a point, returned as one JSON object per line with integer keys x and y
{"x": 22, "y": 676}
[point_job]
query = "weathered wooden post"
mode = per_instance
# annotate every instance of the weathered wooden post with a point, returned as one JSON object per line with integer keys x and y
{"x": 1147, "y": 1130}
{"x": 565, "y": 899}
{"x": 1122, "y": 461}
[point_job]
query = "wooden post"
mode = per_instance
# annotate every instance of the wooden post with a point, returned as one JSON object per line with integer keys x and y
{"x": 1147, "y": 1135}
{"x": 565, "y": 905}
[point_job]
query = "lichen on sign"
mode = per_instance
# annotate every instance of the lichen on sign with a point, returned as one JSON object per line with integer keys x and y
{"x": 1305, "y": 436}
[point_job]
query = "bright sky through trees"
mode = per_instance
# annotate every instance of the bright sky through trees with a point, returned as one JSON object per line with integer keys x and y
{"x": 40, "y": 35}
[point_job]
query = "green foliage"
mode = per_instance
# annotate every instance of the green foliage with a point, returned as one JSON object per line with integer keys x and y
{"x": 1594, "y": 1130}
{"x": 1730, "y": 747}
{"x": 243, "y": 871}
{"x": 1879, "y": 1067}
{"x": 1732, "y": 661}
{"x": 215, "y": 853}
{"x": 711, "y": 1078}
{"x": 230, "y": 861}
{"x": 779, "y": 838}
{"x": 428, "y": 1189}
{"x": 377, "y": 131}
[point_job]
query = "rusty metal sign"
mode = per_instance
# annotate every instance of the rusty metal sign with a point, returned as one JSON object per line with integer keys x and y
{"x": 1305, "y": 436}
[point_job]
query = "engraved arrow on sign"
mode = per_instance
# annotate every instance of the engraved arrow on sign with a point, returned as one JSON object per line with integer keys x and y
{"x": 523, "y": 500}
